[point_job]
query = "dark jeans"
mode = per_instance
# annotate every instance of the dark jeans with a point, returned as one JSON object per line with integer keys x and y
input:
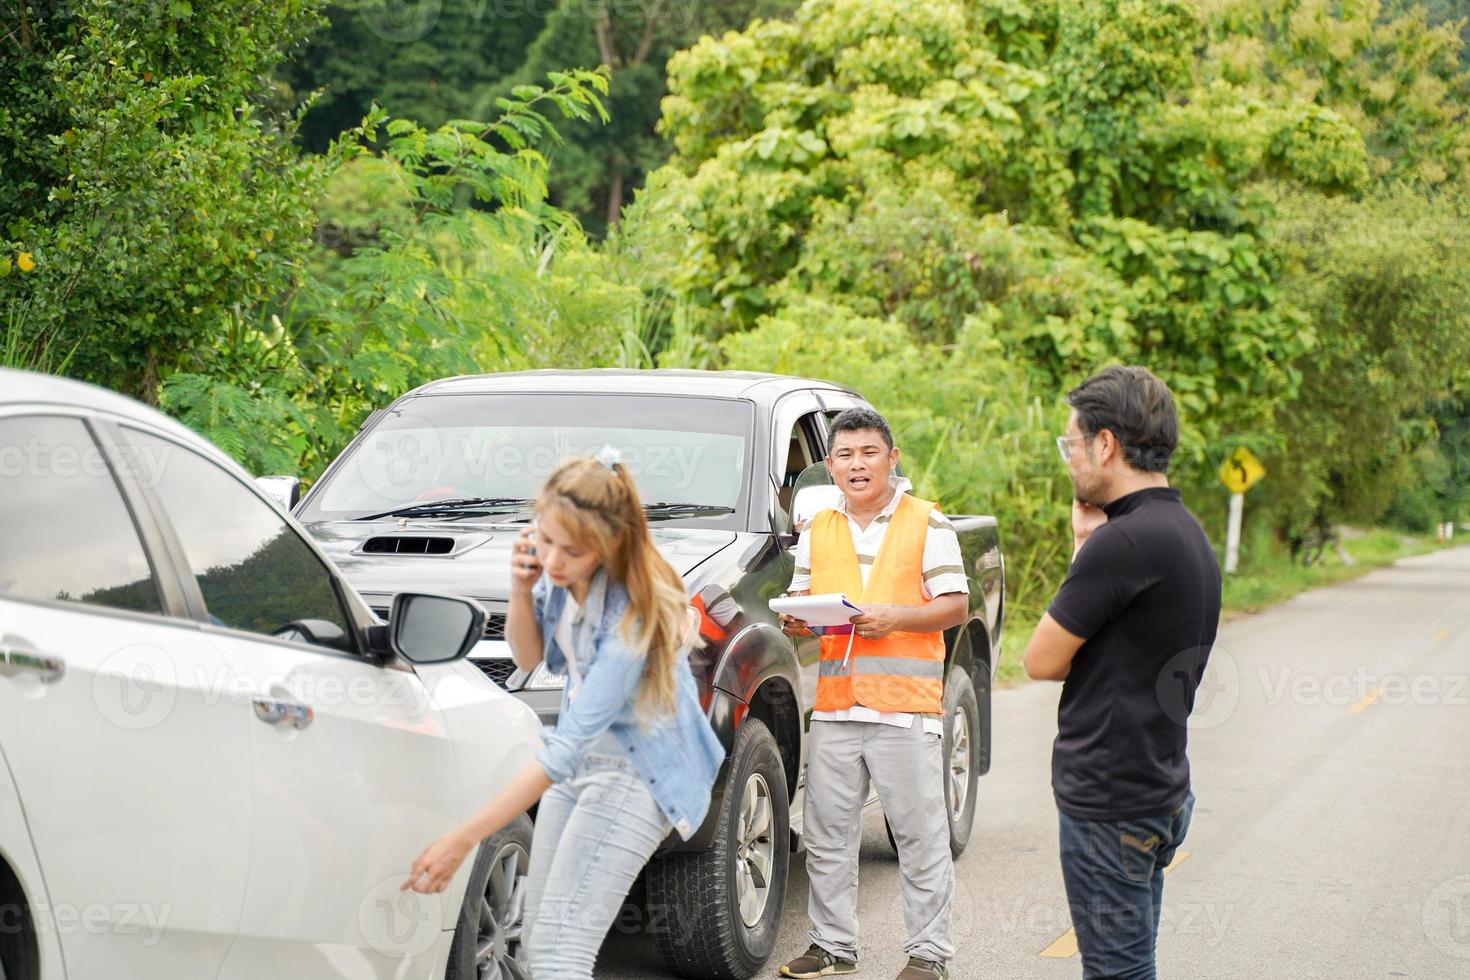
{"x": 1114, "y": 872}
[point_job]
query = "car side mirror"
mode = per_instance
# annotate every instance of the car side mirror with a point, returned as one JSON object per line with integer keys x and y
{"x": 434, "y": 629}
{"x": 284, "y": 490}
{"x": 812, "y": 500}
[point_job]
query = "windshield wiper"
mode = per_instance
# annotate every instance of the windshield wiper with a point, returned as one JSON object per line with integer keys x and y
{"x": 450, "y": 506}
{"x": 663, "y": 509}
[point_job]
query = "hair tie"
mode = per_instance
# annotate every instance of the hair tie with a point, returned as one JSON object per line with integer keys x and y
{"x": 609, "y": 456}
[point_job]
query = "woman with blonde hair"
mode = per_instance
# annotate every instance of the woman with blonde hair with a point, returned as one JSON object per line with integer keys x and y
{"x": 632, "y": 756}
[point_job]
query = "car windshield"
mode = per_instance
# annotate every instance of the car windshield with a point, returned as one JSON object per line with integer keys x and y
{"x": 502, "y": 447}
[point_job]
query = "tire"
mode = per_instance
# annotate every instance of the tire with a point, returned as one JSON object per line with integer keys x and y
{"x": 708, "y": 932}
{"x": 487, "y": 938}
{"x": 962, "y": 749}
{"x": 20, "y": 952}
{"x": 962, "y": 774}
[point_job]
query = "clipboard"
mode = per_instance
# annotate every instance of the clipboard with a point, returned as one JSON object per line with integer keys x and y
{"x": 829, "y": 613}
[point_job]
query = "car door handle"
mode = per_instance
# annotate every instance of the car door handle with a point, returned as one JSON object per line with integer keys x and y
{"x": 15, "y": 662}
{"x": 283, "y": 713}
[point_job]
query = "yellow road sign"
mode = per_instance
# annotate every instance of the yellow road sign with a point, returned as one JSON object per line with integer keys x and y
{"x": 1241, "y": 471}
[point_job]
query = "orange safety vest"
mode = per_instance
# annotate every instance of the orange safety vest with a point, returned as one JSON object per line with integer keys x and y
{"x": 902, "y": 671}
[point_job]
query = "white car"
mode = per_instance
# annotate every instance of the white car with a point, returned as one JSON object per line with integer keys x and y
{"x": 214, "y": 760}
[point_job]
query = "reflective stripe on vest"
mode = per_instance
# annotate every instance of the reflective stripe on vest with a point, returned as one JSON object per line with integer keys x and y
{"x": 902, "y": 671}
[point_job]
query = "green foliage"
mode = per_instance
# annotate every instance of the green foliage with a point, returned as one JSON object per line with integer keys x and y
{"x": 439, "y": 256}
{"x": 25, "y": 348}
{"x": 141, "y": 179}
{"x": 1455, "y": 13}
{"x": 243, "y": 403}
{"x": 1381, "y": 66}
{"x": 436, "y": 61}
{"x": 425, "y": 61}
{"x": 1386, "y": 282}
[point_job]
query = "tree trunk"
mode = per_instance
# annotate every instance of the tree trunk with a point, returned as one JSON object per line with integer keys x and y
{"x": 615, "y": 196}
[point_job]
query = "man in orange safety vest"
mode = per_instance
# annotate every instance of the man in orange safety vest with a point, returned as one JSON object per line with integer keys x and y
{"x": 879, "y": 707}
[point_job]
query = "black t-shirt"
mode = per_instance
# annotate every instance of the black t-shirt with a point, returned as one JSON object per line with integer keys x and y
{"x": 1144, "y": 593}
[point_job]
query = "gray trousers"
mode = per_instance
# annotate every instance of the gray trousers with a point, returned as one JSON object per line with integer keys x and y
{"x": 906, "y": 766}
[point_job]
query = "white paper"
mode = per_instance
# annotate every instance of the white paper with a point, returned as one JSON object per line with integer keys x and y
{"x": 831, "y": 609}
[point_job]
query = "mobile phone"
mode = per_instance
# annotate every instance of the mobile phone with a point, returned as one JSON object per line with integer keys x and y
{"x": 532, "y": 539}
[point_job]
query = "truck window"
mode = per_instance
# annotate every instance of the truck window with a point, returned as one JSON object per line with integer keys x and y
{"x": 801, "y": 453}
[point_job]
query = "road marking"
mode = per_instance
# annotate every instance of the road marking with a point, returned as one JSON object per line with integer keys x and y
{"x": 1368, "y": 699}
{"x": 1066, "y": 945}
{"x": 1063, "y": 948}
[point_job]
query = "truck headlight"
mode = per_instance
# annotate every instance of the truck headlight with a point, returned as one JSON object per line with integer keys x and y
{"x": 542, "y": 679}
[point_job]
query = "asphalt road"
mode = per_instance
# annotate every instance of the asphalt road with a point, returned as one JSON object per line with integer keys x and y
{"x": 1331, "y": 837}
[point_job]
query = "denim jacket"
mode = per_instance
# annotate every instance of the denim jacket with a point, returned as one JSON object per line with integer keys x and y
{"x": 677, "y": 757}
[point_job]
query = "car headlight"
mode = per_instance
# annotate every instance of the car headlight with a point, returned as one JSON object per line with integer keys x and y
{"x": 542, "y": 679}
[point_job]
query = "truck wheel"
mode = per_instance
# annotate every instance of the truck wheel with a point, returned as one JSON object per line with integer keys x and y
{"x": 487, "y": 939}
{"x": 961, "y": 761}
{"x": 961, "y": 758}
{"x": 722, "y": 908}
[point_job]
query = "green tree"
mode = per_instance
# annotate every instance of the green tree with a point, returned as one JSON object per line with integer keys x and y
{"x": 1457, "y": 14}
{"x": 1386, "y": 282}
{"x": 437, "y": 60}
{"x": 144, "y": 190}
{"x": 1093, "y": 200}
{"x": 597, "y": 170}
{"x": 1398, "y": 80}
{"x": 425, "y": 60}
{"x": 440, "y": 255}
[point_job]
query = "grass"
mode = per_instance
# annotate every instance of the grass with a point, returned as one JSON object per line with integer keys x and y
{"x": 25, "y": 349}
{"x": 1258, "y": 585}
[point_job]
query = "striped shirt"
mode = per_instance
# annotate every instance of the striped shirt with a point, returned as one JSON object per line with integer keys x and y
{"x": 944, "y": 568}
{"x": 944, "y": 573}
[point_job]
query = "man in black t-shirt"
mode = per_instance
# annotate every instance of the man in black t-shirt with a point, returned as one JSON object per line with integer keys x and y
{"x": 1129, "y": 634}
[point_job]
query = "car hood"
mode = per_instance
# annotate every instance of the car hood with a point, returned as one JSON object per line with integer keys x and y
{"x": 463, "y": 557}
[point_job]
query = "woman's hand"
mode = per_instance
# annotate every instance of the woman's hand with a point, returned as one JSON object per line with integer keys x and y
{"x": 436, "y": 867}
{"x": 525, "y": 568}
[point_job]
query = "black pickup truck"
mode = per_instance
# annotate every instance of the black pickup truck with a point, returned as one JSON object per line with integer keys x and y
{"x": 433, "y": 490}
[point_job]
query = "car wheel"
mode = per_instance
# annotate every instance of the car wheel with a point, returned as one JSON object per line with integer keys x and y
{"x": 721, "y": 908}
{"x": 961, "y": 758}
{"x": 487, "y": 938}
{"x": 961, "y": 761}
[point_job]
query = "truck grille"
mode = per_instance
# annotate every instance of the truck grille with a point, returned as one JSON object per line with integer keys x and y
{"x": 498, "y": 670}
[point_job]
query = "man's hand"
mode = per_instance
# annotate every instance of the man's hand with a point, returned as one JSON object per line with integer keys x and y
{"x": 1086, "y": 518}
{"x": 876, "y": 622}
{"x": 793, "y": 627}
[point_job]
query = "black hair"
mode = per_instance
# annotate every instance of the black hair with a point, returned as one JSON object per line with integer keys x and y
{"x": 1136, "y": 407}
{"x": 861, "y": 420}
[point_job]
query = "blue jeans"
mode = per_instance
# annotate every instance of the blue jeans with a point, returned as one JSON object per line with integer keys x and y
{"x": 594, "y": 834}
{"x": 1114, "y": 873}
